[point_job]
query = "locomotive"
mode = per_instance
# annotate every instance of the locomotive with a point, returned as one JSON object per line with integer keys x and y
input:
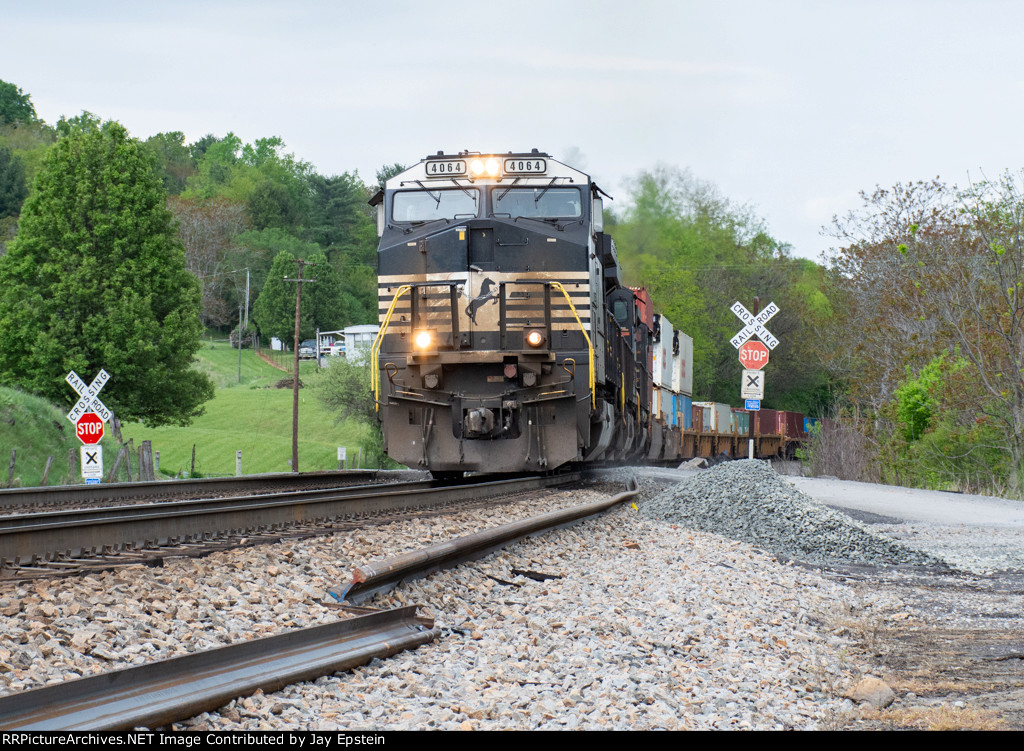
{"x": 507, "y": 340}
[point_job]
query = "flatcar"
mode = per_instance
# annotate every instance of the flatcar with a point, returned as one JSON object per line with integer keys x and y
{"x": 507, "y": 339}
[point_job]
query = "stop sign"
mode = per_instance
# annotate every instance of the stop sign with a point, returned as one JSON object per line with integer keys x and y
{"x": 89, "y": 428}
{"x": 753, "y": 355}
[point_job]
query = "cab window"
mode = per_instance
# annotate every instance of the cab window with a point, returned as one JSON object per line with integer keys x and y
{"x": 429, "y": 205}
{"x": 539, "y": 202}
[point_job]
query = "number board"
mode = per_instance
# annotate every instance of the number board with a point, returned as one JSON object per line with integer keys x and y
{"x": 450, "y": 167}
{"x": 525, "y": 166}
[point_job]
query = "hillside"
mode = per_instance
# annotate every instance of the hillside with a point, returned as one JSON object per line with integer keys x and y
{"x": 36, "y": 429}
{"x": 252, "y": 416}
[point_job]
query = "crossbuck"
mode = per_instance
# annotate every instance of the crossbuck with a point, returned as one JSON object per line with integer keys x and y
{"x": 89, "y": 401}
{"x": 754, "y": 325}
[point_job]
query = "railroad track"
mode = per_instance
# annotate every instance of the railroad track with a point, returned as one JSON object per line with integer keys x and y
{"x": 159, "y": 693}
{"x": 210, "y": 487}
{"x": 48, "y": 544}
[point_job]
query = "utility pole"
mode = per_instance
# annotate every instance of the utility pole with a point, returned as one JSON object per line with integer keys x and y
{"x": 240, "y": 329}
{"x": 295, "y": 381}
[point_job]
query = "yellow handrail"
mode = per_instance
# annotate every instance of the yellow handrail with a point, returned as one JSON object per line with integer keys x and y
{"x": 590, "y": 347}
{"x": 375, "y": 351}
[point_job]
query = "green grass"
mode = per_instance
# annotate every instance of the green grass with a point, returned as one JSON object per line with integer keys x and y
{"x": 253, "y": 417}
{"x": 34, "y": 429}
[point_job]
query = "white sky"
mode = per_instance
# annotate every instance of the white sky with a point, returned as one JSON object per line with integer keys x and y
{"x": 790, "y": 107}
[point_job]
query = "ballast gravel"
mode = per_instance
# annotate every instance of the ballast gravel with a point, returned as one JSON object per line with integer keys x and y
{"x": 746, "y": 500}
{"x": 646, "y": 622}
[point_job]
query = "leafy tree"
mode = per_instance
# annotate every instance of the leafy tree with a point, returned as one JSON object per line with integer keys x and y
{"x": 929, "y": 269}
{"x": 175, "y": 160}
{"x": 12, "y": 183}
{"x": 323, "y": 301}
{"x": 87, "y": 122}
{"x": 15, "y": 105}
{"x": 889, "y": 243}
{"x": 388, "y": 171}
{"x": 344, "y": 388}
{"x": 96, "y": 279}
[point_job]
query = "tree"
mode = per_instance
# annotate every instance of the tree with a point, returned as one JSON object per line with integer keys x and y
{"x": 323, "y": 305}
{"x": 15, "y": 105}
{"x": 930, "y": 269}
{"x": 96, "y": 279}
{"x": 12, "y": 183}
{"x": 175, "y": 160}
{"x": 208, "y": 228}
{"x": 344, "y": 388}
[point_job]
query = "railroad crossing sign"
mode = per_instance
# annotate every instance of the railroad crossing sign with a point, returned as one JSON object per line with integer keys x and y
{"x": 753, "y": 355}
{"x": 89, "y": 428}
{"x": 92, "y": 463}
{"x": 89, "y": 401}
{"x": 754, "y": 325}
{"x": 752, "y": 385}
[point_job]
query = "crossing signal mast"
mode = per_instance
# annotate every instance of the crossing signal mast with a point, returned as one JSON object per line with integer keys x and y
{"x": 753, "y": 356}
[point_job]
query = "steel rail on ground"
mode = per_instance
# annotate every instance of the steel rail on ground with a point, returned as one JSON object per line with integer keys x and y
{"x": 159, "y": 693}
{"x": 383, "y": 575}
{"x": 77, "y": 533}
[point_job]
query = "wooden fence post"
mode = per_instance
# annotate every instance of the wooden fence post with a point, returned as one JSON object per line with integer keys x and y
{"x": 128, "y": 457}
{"x": 112, "y": 477}
{"x": 146, "y": 462}
{"x": 71, "y": 467}
{"x": 46, "y": 471}
{"x": 10, "y": 471}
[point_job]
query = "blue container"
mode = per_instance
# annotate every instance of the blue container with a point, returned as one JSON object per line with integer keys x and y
{"x": 684, "y": 404}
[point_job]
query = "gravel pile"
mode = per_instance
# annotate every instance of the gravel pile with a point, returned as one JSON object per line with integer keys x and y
{"x": 746, "y": 500}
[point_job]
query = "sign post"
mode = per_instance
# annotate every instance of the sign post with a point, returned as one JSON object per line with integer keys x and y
{"x": 88, "y": 416}
{"x": 753, "y": 355}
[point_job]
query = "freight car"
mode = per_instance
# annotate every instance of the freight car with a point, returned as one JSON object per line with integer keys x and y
{"x": 508, "y": 341}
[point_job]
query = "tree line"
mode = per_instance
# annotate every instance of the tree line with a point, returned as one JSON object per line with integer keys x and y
{"x": 119, "y": 252}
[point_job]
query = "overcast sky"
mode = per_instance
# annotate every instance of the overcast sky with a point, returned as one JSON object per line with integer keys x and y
{"x": 788, "y": 107}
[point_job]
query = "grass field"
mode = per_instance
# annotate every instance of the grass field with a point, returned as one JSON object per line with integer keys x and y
{"x": 35, "y": 429}
{"x": 251, "y": 416}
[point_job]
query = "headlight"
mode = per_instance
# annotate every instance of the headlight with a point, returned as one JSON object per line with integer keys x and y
{"x": 423, "y": 340}
{"x": 535, "y": 338}
{"x": 485, "y": 166}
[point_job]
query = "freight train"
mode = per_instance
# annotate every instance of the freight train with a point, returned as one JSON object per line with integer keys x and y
{"x": 508, "y": 341}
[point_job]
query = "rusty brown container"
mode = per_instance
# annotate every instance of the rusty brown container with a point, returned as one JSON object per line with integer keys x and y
{"x": 767, "y": 422}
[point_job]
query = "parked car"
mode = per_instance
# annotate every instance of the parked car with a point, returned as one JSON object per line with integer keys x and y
{"x": 307, "y": 350}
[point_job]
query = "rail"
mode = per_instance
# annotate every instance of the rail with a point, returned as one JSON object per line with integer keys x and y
{"x": 383, "y": 575}
{"x": 65, "y": 536}
{"x": 159, "y": 693}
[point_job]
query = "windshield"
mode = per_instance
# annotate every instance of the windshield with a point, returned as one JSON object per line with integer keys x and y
{"x": 429, "y": 205}
{"x": 539, "y": 202}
